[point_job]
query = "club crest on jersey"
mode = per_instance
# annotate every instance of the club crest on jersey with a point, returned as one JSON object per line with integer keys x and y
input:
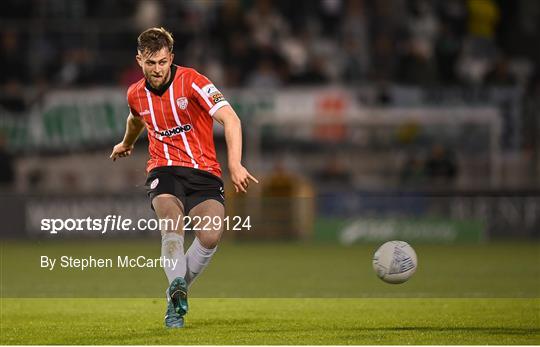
{"x": 182, "y": 102}
{"x": 175, "y": 131}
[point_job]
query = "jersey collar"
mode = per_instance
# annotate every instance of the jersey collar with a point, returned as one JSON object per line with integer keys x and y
{"x": 160, "y": 91}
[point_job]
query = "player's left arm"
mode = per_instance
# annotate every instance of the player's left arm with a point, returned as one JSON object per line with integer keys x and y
{"x": 233, "y": 136}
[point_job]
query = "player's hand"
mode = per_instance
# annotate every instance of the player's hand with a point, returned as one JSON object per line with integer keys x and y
{"x": 121, "y": 150}
{"x": 240, "y": 178}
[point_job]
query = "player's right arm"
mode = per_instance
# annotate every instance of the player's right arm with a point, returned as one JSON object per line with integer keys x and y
{"x": 134, "y": 127}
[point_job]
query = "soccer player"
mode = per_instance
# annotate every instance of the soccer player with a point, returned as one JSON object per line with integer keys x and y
{"x": 178, "y": 106}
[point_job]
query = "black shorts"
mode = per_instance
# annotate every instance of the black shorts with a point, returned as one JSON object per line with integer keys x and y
{"x": 191, "y": 186}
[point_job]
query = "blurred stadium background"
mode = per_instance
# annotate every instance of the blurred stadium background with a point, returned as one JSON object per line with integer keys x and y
{"x": 365, "y": 120}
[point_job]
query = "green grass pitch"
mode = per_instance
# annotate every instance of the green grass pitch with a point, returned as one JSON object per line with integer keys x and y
{"x": 275, "y": 293}
{"x": 273, "y": 321}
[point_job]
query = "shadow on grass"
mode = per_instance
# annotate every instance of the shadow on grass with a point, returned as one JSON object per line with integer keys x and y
{"x": 247, "y": 334}
{"x": 246, "y": 325}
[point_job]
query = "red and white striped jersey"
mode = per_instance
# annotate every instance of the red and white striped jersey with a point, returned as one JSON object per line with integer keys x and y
{"x": 179, "y": 120}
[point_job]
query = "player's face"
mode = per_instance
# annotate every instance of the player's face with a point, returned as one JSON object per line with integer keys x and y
{"x": 156, "y": 67}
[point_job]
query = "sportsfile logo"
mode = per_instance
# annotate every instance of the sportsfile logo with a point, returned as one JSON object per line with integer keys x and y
{"x": 175, "y": 131}
{"x": 116, "y": 223}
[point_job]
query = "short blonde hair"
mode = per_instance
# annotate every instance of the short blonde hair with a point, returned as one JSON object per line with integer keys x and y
{"x": 154, "y": 39}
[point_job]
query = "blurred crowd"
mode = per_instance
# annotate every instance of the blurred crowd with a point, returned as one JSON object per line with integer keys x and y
{"x": 57, "y": 44}
{"x": 265, "y": 43}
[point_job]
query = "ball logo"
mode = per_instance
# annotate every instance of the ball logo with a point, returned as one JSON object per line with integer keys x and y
{"x": 154, "y": 183}
{"x": 182, "y": 102}
{"x": 401, "y": 262}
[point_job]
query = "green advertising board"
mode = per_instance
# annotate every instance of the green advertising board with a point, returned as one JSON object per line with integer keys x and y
{"x": 83, "y": 119}
{"x": 381, "y": 229}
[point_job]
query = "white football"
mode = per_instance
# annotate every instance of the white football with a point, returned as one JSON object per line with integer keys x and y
{"x": 395, "y": 262}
